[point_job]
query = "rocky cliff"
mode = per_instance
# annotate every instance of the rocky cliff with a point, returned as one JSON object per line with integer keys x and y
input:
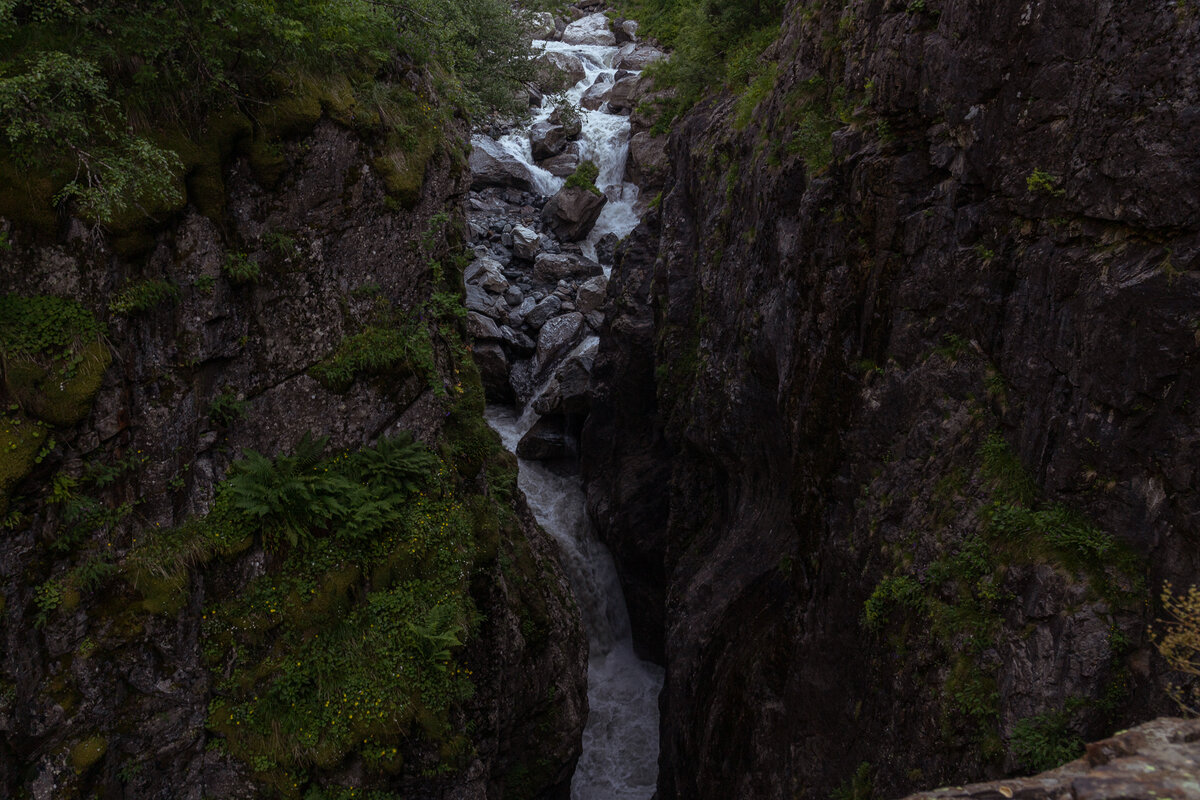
{"x": 892, "y": 432}
{"x": 148, "y": 635}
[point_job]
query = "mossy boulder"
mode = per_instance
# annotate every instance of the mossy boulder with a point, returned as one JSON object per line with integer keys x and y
{"x": 85, "y": 754}
{"x": 57, "y": 394}
{"x": 20, "y": 440}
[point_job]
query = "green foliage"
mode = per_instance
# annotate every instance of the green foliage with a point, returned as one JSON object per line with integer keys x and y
{"x": 47, "y": 598}
{"x": 140, "y": 296}
{"x": 893, "y": 591}
{"x": 1041, "y": 182}
{"x": 1178, "y": 642}
{"x": 859, "y": 786}
{"x": 44, "y": 326}
{"x": 1045, "y": 741}
{"x": 205, "y": 284}
{"x": 1009, "y": 479}
{"x": 391, "y": 346}
{"x": 240, "y": 268}
{"x": 755, "y": 93}
{"x": 716, "y": 43}
{"x": 584, "y": 177}
{"x": 226, "y": 408}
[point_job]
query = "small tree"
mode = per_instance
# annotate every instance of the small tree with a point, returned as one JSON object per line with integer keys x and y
{"x": 1179, "y": 644}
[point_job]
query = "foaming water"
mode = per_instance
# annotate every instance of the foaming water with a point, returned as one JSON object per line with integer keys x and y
{"x": 620, "y": 742}
{"x": 604, "y": 140}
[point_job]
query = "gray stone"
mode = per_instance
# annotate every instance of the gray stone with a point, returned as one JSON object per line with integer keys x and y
{"x": 648, "y": 163}
{"x": 626, "y": 31}
{"x": 591, "y": 294}
{"x": 550, "y": 438}
{"x": 518, "y": 341}
{"x": 482, "y": 327}
{"x": 543, "y": 311}
{"x": 563, "y": 164}
{"x": 592, "y": 29}
{"x": 492, "y": 165}
{"x": 572, "y": 212}
{"x": 546, "y": 140}
{"x": 551, "y": 267}
{"x": 597, "y": 93}
{"x": 479, "y": 300}
{"x": 514, "y": 296}
{"x": 493, "y": 370}
{"x": 620, "y": 99}
{"x": 525, "y": 242}
{"x": 558, "y": 71}
{"x": 636, "y": 57}
{"x": 541, "y": 25}
{"x": 486, "y": 272}
{"x": 557, "y": 337}
{"x": 606, "y": 248}
{"x": 516, "y": 317}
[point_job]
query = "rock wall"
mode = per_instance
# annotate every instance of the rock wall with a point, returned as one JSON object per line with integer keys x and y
{"x": 891, "y": 427}
{"x": 106, "y": 692}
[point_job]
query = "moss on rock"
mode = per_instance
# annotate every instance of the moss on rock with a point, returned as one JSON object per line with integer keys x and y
{"x": 85, "y": 754}
{"x": 20, "y": 440}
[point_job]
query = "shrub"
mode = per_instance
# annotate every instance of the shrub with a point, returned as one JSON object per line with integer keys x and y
{"x": 893, "y": 591}
{"x": 1178, "y": 642}
{"x": 226, "y": 408}
{"x": 1045, "y": 741}
{"x": 1042, "y": 182}
{"x": 584, "y": 177}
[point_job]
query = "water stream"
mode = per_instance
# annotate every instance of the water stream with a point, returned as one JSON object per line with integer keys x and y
{"x": 604, "y": 140}
{"x": 620, "y": 742}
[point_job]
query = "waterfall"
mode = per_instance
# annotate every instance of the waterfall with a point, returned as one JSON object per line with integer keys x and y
{"x": 620, "y": 742}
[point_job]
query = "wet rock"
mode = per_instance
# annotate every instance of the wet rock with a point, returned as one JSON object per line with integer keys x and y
{"x": 592, "y": 29}
{"x": 542, "y": 311}
{"x": 620, "y": 99}
{"x": 568, "y": 116}
{"x": 648, "y": 163}
{"x": 591, "y": 294}
{"x": 519, "y": 342}
{"x": 514, "y": 296}
{"x": 516, "y": 317}
{"x": 541, "y": 25}
{"x": 486, "y": 272}
{"x": 550, "y": 438}
{"x": 493, "y": 371}
{"x": 524, "y": 242}
{"x": 558, "y": 71}
{"x": 557, "y": 337}
{"x": 597, "y": 93}
{"x": 567, "y": 391}
{"x": 551, "y": 267}
{"x": 572, "y": 212}
{"x": 626, "y": 31}
{"x": 482, "y": 327}
{"x": 547, "y": 140}
{"x": 606, "y": 248}
{"x": 479, "y": 300}
{"x": 492, "y": 165}
{"x": 637, "y": 57}
{"x": 562, "y": 165}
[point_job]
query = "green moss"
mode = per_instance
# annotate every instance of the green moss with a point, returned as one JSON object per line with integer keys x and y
{"x": 20, "y": 440}
{"x": 58, "y": 396}
{"x": 85, "y": 754}
{"x": 138, "y": 297}
{"x": 393, "y": 347}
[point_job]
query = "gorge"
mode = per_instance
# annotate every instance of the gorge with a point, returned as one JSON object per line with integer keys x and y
{"x": 773, "y": 400}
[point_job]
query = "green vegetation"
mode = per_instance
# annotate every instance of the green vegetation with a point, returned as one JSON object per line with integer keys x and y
{"x": 88, "y": 752}
{"x": 1041, "y": 182}
{"x": 226, "y": 409}
{"x": 1178, "y": 642}
{"x": 859, "y": 786}
{"x": 716, "y": 44}
{"x": 239, "y": 268}
{"x": 584, "y": 177}
{"x": 1046, "y": 740}
{"x": 390, "y": 345}
{"x": 140, "y": 296}
{"x": 95, "y": 99}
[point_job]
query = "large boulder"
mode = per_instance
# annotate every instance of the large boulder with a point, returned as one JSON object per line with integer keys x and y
{"x": 621, "y": 97}
{"x": 492, "y": 165}
{"x": 592, "y": 29}
{"x": 563, "y": 164}
{"x": 541, "y": 25}
{"x": 493, "y": 371}
{"x": 486, "y": 272}
{"x": 597, "y": 93}
{"x": 567, "y": 391}
{"x": 546, "y": 140}
{"x": 554, "y": 267}
{"x": 558, "y": 71}
{"x": 568, "y": 116}
{"x": 647, "y": 163}
{"x": 525, "y": 243}
{"x": 637, "y": 57}
{"x": 481, "y": 327}
{"x": 626, "y": 31}
{"x": 572, "y": 213}
{"x": 557, "y": 337}
{"x": 606, "y": 248}
{"x": 591, "y": 294}
{"x": 542, "y": 311}
{"x": 550, "y": 438}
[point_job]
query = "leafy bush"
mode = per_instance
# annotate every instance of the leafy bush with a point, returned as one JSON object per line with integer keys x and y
{"x": 893, "y": 591}
{"x": 1041, "y": 182}
{"x": 226, "y": 409}
{"x": 584, "y": 177}
{"x": 44, "y": 326}
{"x": 1045, "y": 741}
{"x": 390, "y": 346}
